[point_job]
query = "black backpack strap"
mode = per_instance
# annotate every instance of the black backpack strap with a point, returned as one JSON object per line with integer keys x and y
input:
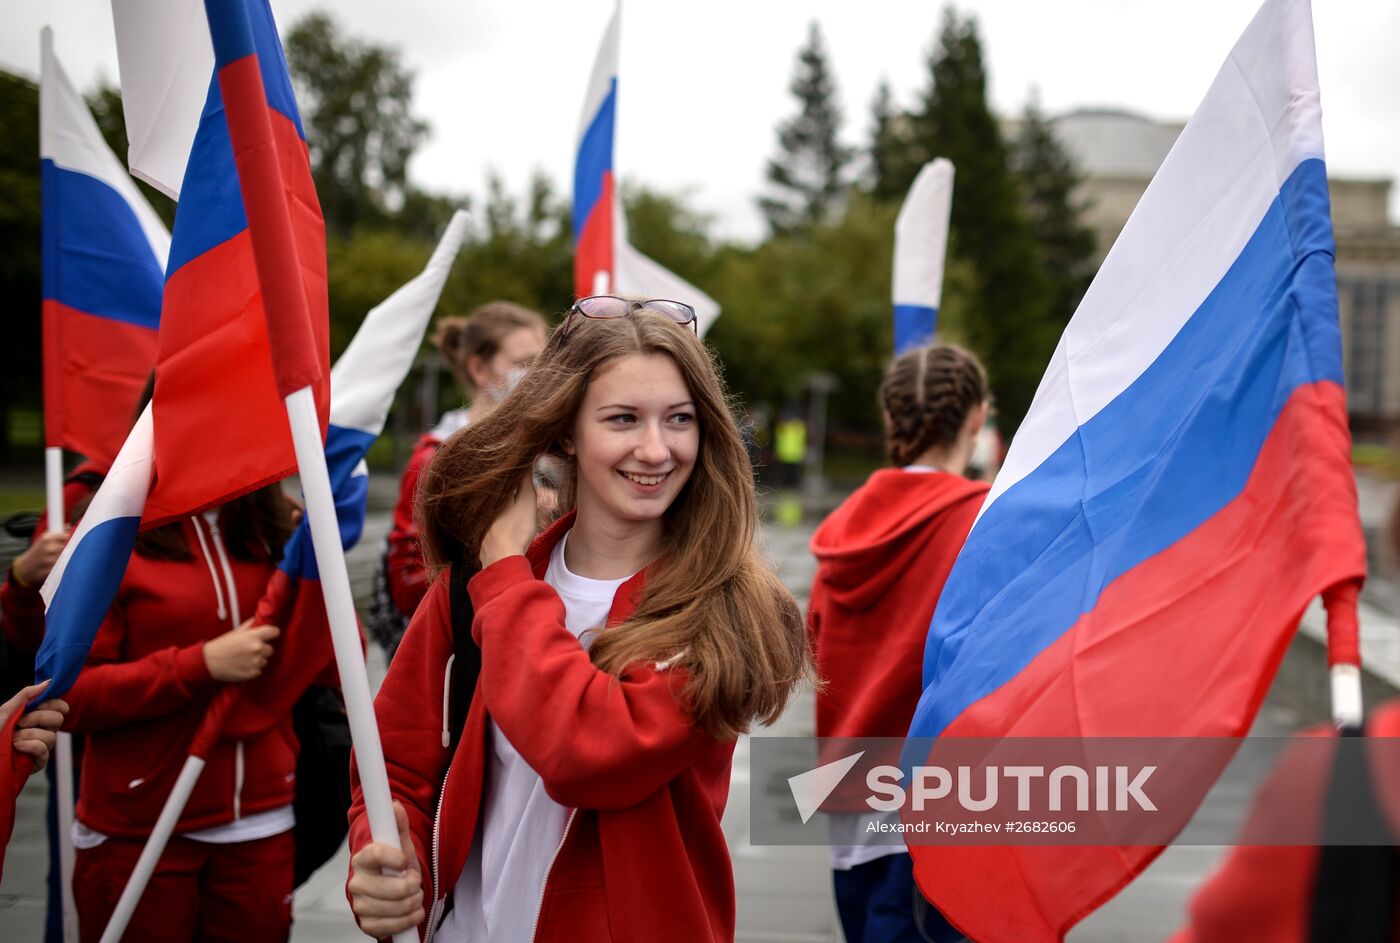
{"x": 466, "y": 666}
{"x": 1354, "y": 889}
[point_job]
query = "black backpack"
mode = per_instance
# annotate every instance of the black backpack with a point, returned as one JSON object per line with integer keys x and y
{"x": 466, "y": 666}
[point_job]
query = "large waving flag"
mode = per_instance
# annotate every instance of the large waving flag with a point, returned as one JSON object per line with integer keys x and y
{"x": 82, "y": 584}
{"x": 224, "y": 365}
{"x": 604, "y": 260}
{"x": 104, "y": 253}
{"x": 1179, "y": 492}
{"x": 920, "y": 245}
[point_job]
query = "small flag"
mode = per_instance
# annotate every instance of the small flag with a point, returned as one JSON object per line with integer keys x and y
{"x": 920, "y": 245}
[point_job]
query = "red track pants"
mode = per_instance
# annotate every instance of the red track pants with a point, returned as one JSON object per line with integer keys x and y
{"x": 200, "y": 892}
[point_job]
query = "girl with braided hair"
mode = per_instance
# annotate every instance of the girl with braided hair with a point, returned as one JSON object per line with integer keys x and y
{"x": 882, "y": 559}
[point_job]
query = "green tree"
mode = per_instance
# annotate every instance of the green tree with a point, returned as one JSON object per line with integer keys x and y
{"x": 1049, "y": 179}
{"x": 667, "y": 229}
{"x": 20, "y": 265}
{"x": 1008, "y": 323}
{"x": 807, "y": 180}
{"x": 888, "y": 172}
{"x": 356, "y": 108}
{"x": 105, "y": 103}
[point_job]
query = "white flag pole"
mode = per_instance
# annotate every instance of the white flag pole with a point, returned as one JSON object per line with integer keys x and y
{"x": 345, "y": 632}
{"x": 63, "y": 754}
{"x": 160, "y": 837}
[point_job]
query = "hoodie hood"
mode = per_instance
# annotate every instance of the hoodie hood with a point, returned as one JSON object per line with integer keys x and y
{"x": 883, "y": 528}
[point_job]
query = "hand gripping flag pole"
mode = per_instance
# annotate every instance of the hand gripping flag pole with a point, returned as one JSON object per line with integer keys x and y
{"x": 920, "y": 244}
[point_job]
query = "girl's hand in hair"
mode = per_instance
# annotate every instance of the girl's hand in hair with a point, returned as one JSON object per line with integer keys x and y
{"x": 240, "y": 654}
{"x": 36, "y": 732}
{"x": 514, "y": 528}
{"x": 386, "y": 889}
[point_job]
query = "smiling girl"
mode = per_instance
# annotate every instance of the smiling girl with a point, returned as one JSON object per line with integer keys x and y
{"x": 621, "y": 653}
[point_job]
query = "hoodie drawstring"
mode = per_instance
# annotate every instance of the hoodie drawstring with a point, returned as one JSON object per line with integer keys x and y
{"x": 212, "y": 517}
{"x": 446, "y": 694}
{"x": 209, "y": 559}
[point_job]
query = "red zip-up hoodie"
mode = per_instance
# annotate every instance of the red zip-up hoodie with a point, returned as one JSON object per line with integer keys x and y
{"x": 882, "y": 559}
{"x": 643, "y": 857}
{"x": 142, "y": 694}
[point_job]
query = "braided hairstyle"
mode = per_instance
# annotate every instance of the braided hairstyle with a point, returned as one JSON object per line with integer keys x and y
{"x": 928, "y": 394}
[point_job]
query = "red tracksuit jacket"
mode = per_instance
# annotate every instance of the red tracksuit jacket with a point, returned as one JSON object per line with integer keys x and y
{"x": 142, "y": 694}
{"x": 882, "y": 559}
{"x": 643, "y": 857}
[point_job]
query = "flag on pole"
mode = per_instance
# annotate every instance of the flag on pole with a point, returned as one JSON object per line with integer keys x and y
{"x": 1179, "y": 491}
{"x": 920, "y": 245}
{"x": 104, "y": 253}
{"x": 594, "y": 186}
{"x": 604, "y": 260}
{"x": 236, "y": 339}
{"x": 82, "y": 584}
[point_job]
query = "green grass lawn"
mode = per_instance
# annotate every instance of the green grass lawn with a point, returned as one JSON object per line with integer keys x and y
{"x": 14, "y": 500}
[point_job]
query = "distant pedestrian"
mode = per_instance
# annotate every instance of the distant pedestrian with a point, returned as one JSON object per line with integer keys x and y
{"x": 576, "y": 794}
{"x": 487, "y": 352}
{"x": 790, "y": 449}
{"x": 882, "y": 559}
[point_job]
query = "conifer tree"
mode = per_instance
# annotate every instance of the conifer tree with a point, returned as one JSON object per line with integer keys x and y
{"x": 1007, "y": 321}
{"x": 807, "y": 179}
{"x": 1048, "y": 180}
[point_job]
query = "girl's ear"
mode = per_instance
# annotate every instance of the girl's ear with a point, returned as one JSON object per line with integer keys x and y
{"x": 566, "y": 444}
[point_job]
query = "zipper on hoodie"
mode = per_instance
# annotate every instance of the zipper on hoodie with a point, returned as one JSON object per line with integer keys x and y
{"x": 442, "y": 794}
{"x": 238, "y": 780}
{"x": 433, "y": 864}
{"x": 539, "y": 904}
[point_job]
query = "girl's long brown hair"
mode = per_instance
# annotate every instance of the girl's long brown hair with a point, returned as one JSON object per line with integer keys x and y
{"x": 711, "y": 606}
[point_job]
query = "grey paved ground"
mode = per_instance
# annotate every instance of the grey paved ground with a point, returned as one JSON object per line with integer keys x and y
{"x": 784, "y": 892}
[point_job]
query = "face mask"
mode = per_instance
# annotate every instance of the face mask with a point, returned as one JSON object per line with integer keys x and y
{"x": 497, "y": 393}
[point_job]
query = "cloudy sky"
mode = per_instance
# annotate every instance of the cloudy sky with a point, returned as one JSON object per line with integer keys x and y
{"x": 704, "y": 84}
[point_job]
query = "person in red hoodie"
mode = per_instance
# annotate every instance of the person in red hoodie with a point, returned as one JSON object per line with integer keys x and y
{"x": 621, "y": 654}
{"x": 882, "y": 559}
{"x": 176, "y": 631}
{"x": 486, "y": 351}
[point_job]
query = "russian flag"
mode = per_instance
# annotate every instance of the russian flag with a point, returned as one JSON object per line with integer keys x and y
{"x": 594, "y": 195}
{"x": 920, "y": 244}
{"x": 244, "y": 322}
{"x": 82, "y": 584}
{"x": 1179, "y": 492}
{"x": 104, "y": 252}
{"x": 604, "y": 260}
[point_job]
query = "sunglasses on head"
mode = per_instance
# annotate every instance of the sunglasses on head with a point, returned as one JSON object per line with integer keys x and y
{"x": 605, "y": 307}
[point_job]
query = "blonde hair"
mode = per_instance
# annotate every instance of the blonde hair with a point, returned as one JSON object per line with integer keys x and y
{"x": 480, "y": 334}
{"x": 710, "y": 605}
{"x": 928, "y": 394}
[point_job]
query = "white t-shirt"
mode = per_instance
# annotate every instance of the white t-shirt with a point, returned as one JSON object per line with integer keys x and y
{"x": 497, "y": 897}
